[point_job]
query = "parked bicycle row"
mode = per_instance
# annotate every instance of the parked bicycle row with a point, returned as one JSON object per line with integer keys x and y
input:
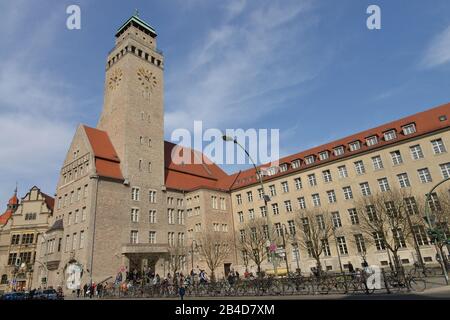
{"x": 271, "y": 286}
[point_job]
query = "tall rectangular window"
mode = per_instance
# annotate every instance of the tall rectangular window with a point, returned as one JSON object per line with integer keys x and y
{"x": 285, "y": 187}
{"x": 438, "y": 146}
{"x": 134, "y": 237}
{"x": 316, "y": 200}
{"x": 379, "y": 241}
{"x": 403, "y": 180}
{"x": 327, "y": 176}
{"x": 288, "y": 206}
{"x": 251, "y": 214}
{"x": 301, "y": 202}
{"x": 360, "y": 243}
{"x": 152, "y": 237}
{"x": 411, "y": 206}
{"x": 445, "y": 170}
{"x": 342, "y": 244}
{"x": 424, "y": 175}
{"x": 135, "y": 194}
{"x": 377, "y": 163}
{"x": 312, "y": 180}
{"x": 342, "y": 172}
{"x": 82, "y": 239}
{"x": 152, "y": 196}
{"x": 325, "y": 247}
{"x": 336, "y": 218}
{"x": 331, "y": 196}
{"x": 365, "y": 189}
{"x": 348, "y": 194}
{"x": 263, "y": 211}
{"x": 353, "y": 213}
{"x": 384, "y": 184}
{"x": 396, "y": 157}
{"x": 152, "y": 216}
{"x": 170, "y": 215}
{"x": 134, "y": 215}
{"x": 83, "y": 214}
{"x": 273, "y": 190}
{"x": 359, "y": 167}
{"x": 416, "y": 152}
{"x": 275, "y": 209}
{"x": 298, "y": 183}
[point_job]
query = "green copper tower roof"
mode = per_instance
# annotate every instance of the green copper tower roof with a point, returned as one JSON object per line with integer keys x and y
{"x": 138, "y": 22}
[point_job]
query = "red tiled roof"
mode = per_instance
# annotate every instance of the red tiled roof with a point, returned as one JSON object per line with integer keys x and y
{"x": 5, "y": 217}
{"x": 50, "y": 201}
{"x": 205, "y": 174}
{"x": 107, "y": 162}
{"x": 198, "y": 172}
{"x": 425, "y": 122}
{"x": 13, "y": 200}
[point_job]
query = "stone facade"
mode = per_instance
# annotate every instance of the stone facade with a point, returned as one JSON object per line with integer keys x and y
{"x": 20, "y": 238}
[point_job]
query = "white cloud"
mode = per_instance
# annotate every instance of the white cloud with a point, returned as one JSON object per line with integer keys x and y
{"x": 35, "y": 103}
{"x": 438, "y": 51}
{"x": 241, "y": 71}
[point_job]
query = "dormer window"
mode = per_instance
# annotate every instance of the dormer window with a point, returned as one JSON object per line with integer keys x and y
{"x": 355, "y": 145}
{"x": 409, "y": 129}
{"x": 283, "y": 167}
{"x": 371, "y": 141}
{"x": 295, "y": 164}
{"x": 309, "y": 159}
{"x": 338, "y": 151}
{"x": 390, "y": 135}
{"x": 323, "y": 155}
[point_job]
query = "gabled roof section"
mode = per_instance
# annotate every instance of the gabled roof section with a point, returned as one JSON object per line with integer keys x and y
{"x": 107, "y": 162}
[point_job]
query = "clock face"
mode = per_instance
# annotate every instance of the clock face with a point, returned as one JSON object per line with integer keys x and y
{"x": 114, "y": 79}
{"x": 147, "y": 79}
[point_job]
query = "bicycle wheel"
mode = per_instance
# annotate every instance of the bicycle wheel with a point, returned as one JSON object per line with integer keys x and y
{"x": 417, "y": 284}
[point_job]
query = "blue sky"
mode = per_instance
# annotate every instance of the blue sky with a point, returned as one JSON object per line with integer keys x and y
{"x": 310, "y": 68}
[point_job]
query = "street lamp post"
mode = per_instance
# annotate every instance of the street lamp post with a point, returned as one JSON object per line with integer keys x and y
{"x": 192, "y": 254}
{"x": 46, "y": 258}
{"x": 265, "y": 197}
{"x": 337, "y": 249}
{"x": 283, "y": 232}
{"x": 431, "y": 225}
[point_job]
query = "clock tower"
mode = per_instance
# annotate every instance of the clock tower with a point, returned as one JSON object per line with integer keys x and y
{"x": 133, "y": 112}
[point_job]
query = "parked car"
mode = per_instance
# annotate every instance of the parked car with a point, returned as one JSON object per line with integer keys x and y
{"x": 47, "y": 294}
{"x": 15, "y": 296}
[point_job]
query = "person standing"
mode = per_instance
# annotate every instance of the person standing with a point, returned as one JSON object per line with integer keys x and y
{"x": 85, "y": 289}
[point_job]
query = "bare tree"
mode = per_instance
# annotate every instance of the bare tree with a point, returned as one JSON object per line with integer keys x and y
{"x": 387, "y": 220}
{"x": 252, "y": 241}
{"x": 315, "y": 230}
{"x": 439, "y": 210}
{"x": 176, "y": 256}
{"x": 214, "y": 247}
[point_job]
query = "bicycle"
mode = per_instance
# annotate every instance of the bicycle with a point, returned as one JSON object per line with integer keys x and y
{"x": 425, "y": 271}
